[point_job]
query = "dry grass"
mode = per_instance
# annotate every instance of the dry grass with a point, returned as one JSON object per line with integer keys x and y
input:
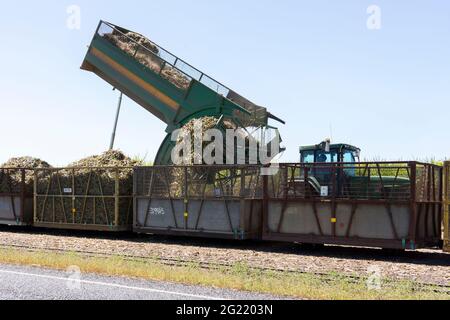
{"x": 240, "y": 277}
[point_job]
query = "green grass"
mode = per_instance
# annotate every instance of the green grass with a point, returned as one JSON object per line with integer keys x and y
{"x": 239, "y": 277}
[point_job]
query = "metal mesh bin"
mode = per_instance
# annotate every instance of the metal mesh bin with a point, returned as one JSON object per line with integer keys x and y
{"x": 83, "y": 198}
{"x": 204, "y": 201}
{"x": 390, "y": 205}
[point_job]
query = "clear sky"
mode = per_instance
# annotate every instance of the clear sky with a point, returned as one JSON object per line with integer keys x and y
{"x": 315, "y": 64}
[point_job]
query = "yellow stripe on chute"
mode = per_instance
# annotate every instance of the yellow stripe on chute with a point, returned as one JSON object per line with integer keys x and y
{"x": 135, "y": 79}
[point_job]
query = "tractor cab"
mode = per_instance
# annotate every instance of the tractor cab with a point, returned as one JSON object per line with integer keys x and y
{"x": 328, "y": 162}
{"x": 334, "y": 169}
{"x": 329, "y": 153}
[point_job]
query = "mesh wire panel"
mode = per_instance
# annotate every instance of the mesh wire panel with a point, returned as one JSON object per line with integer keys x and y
{"x": 370, "y": 181}
{"x": 428, "y": 182}
{"x": 202, "y": 182}
{"x": 159, "y": 182}
{"x": 12, "y": 180}
{"x": 84, "y": 195}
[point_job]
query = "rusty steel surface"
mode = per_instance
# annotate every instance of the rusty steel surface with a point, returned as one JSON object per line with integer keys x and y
{"x": 390, "y": 205}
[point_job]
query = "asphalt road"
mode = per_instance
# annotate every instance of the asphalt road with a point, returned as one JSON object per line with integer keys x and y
{"x": 34, "y": 283}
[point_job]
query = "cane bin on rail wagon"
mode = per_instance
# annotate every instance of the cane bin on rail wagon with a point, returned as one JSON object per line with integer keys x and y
{"x": 84, "y": 198}
{"x": 214, "y": 201}
{"x": 389, "y": 205}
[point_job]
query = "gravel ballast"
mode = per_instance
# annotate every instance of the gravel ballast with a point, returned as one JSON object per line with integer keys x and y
{"x": 427, "y": 266}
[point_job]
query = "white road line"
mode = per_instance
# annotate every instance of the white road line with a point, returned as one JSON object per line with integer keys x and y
{"x": 111, "y": 285}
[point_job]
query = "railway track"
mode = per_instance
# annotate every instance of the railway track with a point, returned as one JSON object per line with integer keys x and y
{"x": 227, "y": 267}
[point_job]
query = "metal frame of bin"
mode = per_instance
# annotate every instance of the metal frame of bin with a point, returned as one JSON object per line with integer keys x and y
{"x": 420, "y": 200}
{"x": 447, "y": 206}
{"x": 201, "y": 201}
{"x": 11, "y": 212}
{"x": 79, "y": 202}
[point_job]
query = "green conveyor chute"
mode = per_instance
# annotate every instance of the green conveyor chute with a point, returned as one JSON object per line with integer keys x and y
{"x": 165, "y": 85}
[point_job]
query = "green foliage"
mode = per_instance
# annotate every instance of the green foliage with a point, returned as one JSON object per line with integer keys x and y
{"x": 143, "y": 160}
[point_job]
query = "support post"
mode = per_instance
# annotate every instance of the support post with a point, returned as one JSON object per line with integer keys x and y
{"x": 23, "y": 218}
{"x": 413, "y": 205}
{"x": 117, "y": 198}
{"x": 113, "y": 136}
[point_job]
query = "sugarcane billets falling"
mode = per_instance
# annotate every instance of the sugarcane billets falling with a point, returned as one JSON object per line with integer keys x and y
{"x": 197, "y": 177}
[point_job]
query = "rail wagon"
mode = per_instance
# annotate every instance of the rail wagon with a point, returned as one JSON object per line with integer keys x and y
{"x": 353, "y": 206}
{"x": 335, "y": 203}
{"x": 391, "y": 205}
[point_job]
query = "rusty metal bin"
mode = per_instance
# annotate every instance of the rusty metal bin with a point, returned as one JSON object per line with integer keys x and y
{"x": 388, "y": 205}
{"x": 16, "y": 197}
{"x": 97, "y": 199}
{"x": 447, "y": 206}
{"x": 199, "y": 201}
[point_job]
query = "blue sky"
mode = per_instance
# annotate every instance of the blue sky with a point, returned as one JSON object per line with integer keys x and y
{"x": 313, "y": 63}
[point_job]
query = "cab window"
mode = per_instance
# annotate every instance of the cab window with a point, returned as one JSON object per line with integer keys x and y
{"x": 349, "y": 156}
{"x": 308, "y": 157}
{"x": 326, "y": 157}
